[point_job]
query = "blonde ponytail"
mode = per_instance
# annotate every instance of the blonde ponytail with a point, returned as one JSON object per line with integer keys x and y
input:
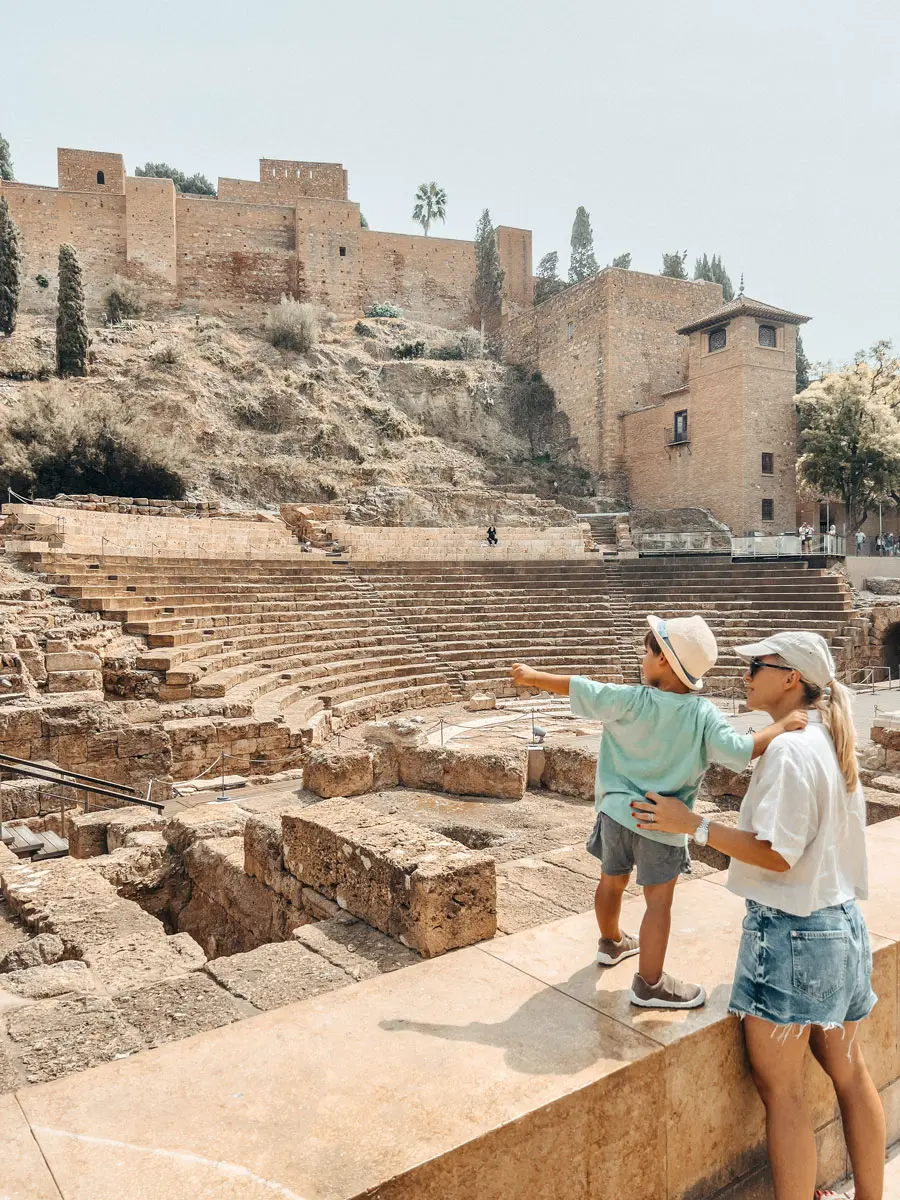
{"x": 837, "y": 715}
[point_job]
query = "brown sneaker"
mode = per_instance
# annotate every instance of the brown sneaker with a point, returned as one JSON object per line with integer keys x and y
{"x": 610, "y": 952}
{"x": 666, "y": 993}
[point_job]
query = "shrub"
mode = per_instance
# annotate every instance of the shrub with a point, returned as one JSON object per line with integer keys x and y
{"x": 363, "y": 330}
{"x": 327, "y": 487}
{"x": 42, "y": 281}
{"x": 123, "y": 300}
{"x": 449, "y": 352}
{"x": 388, "y": 420}
{"x": 271, "y": 413}
{"x": 23, "y": 360}
{"x": 466, "y": 346}
{"x": 409, "y": 350}
{"x": 48, "y": 445}
{"x": 292, "y": 325}
{"x": 166, "y": 354}
{"x": 383, "y": 310}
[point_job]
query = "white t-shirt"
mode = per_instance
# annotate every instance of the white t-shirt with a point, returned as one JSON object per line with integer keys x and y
{"x": 798, "y": 801}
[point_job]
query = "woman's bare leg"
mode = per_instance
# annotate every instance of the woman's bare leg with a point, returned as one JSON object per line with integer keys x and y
{"x": 776, "y": 1055}
{"x": 841, "y": 1058}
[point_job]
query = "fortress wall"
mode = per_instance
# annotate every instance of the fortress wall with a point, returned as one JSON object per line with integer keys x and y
{"x": 94, "y": 222}
{"x": 328, "y": 253}
{"x": 234, "y": 252}
{"x": 429, "y": 278}
{"x": 150, "y": 230}
{"x": 77, "y": 171}
{"x": 35, "y": 211}
{"x": 514, "y": 248}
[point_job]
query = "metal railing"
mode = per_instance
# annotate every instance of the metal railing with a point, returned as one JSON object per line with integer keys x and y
{"x": 872, "y": 679}
{"x": 710, "y": 541}
{"x": 676, "y": 437}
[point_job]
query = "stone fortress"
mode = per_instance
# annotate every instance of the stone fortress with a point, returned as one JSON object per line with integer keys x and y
{"x": 328, "y": 932}
{"x": 644, "y": 366}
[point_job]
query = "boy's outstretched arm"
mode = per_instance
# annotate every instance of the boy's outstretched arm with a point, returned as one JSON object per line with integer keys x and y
{"x": 523, "y": 676}
{"x": 794, "y": 720}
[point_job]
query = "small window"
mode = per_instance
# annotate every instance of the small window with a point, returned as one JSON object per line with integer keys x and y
{"x": 768, "y": 510}
{"x": 101, "y": 178}
{"x": 767, "y": 336}
{"x": 768, "y": 463}
{"x": 570, "y": 330}
{"x": 717, "y": 340}
{"x": 343, "y": 251}
{"x": 680, "y": 429}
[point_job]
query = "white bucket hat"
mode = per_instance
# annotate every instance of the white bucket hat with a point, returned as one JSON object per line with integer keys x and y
{"x": 806, "y": 652}
{"x": 689, "y": 646}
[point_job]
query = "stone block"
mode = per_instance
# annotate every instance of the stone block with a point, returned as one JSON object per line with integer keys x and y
{"x": 720, "y": 782}
{"x": 177, "y": 1008}
{"x": 277, "y": 974}
{"x": 421, "y": 767}
{"x": 263, "y": 857}
{"x": 396, "y": 731}
{"x": 887, "y": 783}
{"x": 124, "y": 821}
{"x": 87, "y": 833}
{"x": 339, "y": 772}
{"x": 143, "y": 959}
{"x": 500, "y": 773}
{"x": 406, "y": 880}
{"x": 881, "y": 805}
{"x": 482, "y": 702}
{"x": 51, "y": 980}
{"x": 204, "y": 821}
{"x": 355, "y": 947}
{"x": 385, "y": 767}
{"x": 36, "y": 952}
{"x": 75, "y": 681}
{"x": 569, "y": 770}
{"x": 58, "y": 1037}
{"x": 72, "y": 660}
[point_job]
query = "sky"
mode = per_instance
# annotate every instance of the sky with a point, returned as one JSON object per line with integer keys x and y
{"x": 766, "y": 132}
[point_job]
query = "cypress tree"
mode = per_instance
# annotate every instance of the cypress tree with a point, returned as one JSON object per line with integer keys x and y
{"x": 803, "y": 367}
{"x": 712, "y": 269}
{"x": 673, "y": 265}
{"x": 72, "y": 339}
{"x": 623, "y": 261}
{"x": 582, "y": 264}
{"x": 6, "y": 167}
{"x": 488, "y": 272}
{"x": 10, "y": 270}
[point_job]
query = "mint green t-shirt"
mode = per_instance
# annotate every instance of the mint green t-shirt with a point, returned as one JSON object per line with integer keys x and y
{"x": 654, "y": 741}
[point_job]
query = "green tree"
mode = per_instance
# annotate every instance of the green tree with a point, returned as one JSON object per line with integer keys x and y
{"x": 850, "y": 433}
{"x": 673, "y": 265}
{"x": 712, "y": 270}
{"x": 6, "y": 167}
{"x": 431, "y": 205}
{"x": 72, "y": 339}
{"x": 803, "y": 367}
{"x": 546, "y": 277}
{"x": 363, "y": 223}
{"x": 582, "y": 264}
{"x": 488, "y": 272}
{"x": 622, "y": 261}
{"x": 10, "y": 270}
{"x": 196, "y": 185}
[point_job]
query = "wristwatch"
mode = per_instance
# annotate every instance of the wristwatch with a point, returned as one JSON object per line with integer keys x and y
{"x": 701, "y": 833}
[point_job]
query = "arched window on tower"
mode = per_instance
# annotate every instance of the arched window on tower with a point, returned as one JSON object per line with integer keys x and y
{"x": 101, "y": 178}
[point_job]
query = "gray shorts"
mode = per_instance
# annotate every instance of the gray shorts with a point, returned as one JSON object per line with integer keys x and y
{"x": 620, "y": 850}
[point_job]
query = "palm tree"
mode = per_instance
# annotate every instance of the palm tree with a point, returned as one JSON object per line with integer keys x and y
{"x": 431, "y": 205}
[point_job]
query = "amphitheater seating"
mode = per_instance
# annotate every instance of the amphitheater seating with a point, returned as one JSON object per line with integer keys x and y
{"x": 288, "y": 637}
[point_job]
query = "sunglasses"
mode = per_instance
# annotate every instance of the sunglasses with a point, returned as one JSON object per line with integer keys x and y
{"x": 757, "y": 664}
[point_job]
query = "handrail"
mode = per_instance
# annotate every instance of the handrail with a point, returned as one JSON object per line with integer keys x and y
{"x": 122, "y": 787}
{"x": 24, "y": 499}
{"x": 22, "y": 766}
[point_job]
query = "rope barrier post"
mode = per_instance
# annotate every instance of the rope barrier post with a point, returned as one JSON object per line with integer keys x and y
{"x": 442, "y": 731}
{"x": 223, "y": 795}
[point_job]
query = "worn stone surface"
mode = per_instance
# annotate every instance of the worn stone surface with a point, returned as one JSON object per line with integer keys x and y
{"x": 263, "y": 858}
{"x": 141, "y": 959}
{"x": 54, "y": 979}
{"x": 881, "y": 804}
{"x": 416, "y": 885}
{"x": 177, "y": 1008}
{"x": 75, "y": 681}
{"x": 45, "y": 948}
{"x": 10, "y": 1079}
{"x": 88, "y": 833}
{"x": 719, "y": 782}
{"x": 396, "y": 731}
{"x": 204, "y": 821}
{"x": 498, "y": 773}
{"x": 482, "y": 702}
{"x": 338, "y": 772}
{"x": 569, "y": 770}
{"x": 56, "y": 1037}
{"x": 277, "y": 974}
{"x": 131, "y": 820}
{"x": 569, "y": 889}
{"x": 355, "y": 947}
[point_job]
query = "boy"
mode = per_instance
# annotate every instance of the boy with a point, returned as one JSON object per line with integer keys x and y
{"x": 657, "y": 738}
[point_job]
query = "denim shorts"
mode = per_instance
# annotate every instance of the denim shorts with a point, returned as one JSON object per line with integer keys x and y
{"x": 814, "y": 970}
{"x": 620, "y": 850}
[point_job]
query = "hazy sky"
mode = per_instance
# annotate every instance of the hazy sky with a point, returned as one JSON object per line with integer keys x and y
{"x": 764, "y": 131}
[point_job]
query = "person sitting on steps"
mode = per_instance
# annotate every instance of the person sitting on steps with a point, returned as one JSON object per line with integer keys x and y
{"x": 657, "y": 737}
{"x": 492, "y": 536}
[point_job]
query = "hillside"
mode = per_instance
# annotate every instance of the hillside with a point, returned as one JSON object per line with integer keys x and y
{"x": 248, "y": 424}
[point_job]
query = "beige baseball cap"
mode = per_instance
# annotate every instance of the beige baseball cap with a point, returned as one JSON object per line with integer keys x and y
{"x": 806, "y": 652}
{"x": 689, "y": 646}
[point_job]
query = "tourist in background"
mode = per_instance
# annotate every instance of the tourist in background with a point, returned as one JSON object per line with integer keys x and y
{"x": 860, "y": 542}
{"x": 798, "y": 857}
{"x": 492, "y": 536}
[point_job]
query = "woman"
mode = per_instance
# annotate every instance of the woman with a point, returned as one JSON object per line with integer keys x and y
{"x": 803, "y": 975}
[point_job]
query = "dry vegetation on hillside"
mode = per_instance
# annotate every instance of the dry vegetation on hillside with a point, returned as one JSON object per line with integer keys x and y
{"x": 245, "y": 422}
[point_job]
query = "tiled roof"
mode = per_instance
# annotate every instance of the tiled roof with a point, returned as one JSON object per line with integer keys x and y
{"x": 745, "y": 306}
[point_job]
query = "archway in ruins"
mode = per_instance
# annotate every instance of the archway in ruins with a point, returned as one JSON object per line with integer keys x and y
{"x": 890, "y": 647}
